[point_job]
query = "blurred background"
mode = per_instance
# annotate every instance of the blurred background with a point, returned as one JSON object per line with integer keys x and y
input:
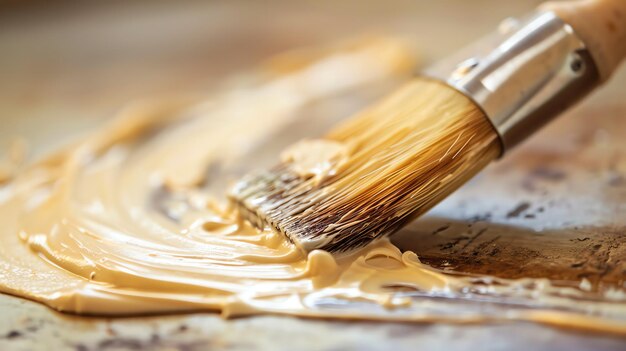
{"x": 552, "y": 209}
{"x": 66, "y": 66}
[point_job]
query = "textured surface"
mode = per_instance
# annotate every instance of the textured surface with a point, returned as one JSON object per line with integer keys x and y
{"x": 553, "y": 208}
{"x": 33, "y": 327}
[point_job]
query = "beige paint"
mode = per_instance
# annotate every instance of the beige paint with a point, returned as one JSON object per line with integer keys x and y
{"x": 120, "y": 223}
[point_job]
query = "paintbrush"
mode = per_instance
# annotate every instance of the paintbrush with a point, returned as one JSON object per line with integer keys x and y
{"x": 387, "y": 165}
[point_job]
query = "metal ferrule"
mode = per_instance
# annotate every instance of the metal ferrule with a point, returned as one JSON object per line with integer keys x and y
{"x": 523, "y": 75}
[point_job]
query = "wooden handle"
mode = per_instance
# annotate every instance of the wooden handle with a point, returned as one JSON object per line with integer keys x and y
{"x": 601, "y": 24}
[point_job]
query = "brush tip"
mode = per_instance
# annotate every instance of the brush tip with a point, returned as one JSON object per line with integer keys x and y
{"x": 374, "y": 173}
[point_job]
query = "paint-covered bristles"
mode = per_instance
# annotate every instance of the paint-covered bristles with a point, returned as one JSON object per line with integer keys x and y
{"x": 375, "y": 172}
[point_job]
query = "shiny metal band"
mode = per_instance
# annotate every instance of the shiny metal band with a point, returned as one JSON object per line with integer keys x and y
{"x": 523, "y": 75}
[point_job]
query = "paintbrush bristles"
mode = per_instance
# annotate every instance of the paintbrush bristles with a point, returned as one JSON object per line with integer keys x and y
{"x": 400, "y": 158}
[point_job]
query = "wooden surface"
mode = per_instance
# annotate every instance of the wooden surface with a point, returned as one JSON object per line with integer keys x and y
{"x": 553, "y": 208}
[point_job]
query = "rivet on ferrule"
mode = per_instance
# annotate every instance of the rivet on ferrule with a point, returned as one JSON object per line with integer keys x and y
{"x": 523, "y": 75}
